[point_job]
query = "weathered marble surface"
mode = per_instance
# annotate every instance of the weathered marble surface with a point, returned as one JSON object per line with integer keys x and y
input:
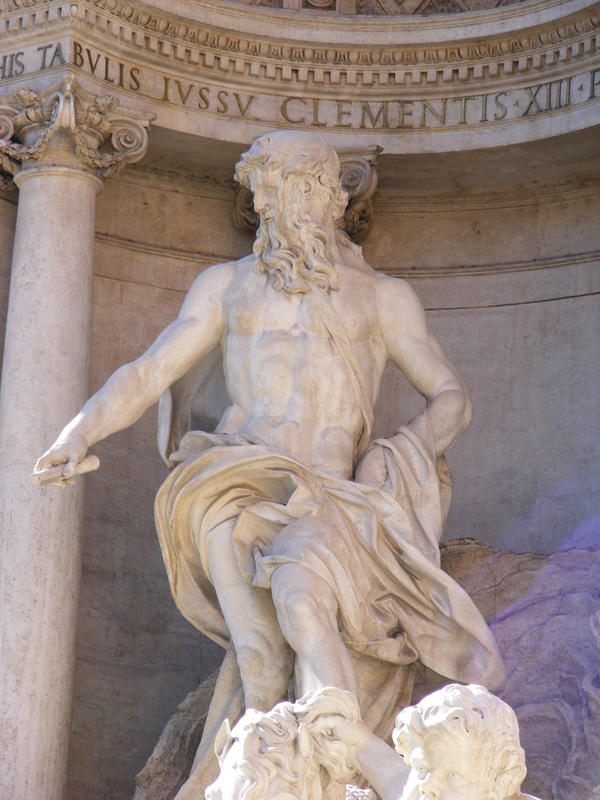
{"x": 458, "y": 743}
{"x": 539, "y": 607}
{"x": 289, "y": 534}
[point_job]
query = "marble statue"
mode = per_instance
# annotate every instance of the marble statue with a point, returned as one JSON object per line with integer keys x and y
{"x": 291, "y": 538}
{"x": 458, "y": 743}
{"x": 284, "y": 752}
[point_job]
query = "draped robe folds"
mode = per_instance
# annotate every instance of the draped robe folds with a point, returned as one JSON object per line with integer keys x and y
{"x": 376, "y": 548}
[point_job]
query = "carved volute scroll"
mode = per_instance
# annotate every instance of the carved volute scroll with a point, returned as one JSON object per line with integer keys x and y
{"x": 359, "y": 178}
{"x": 100, "y": 134}
{"x": 245, "y": 217}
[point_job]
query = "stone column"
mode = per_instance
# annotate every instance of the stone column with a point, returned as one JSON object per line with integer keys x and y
{"x": 54, "y": 144}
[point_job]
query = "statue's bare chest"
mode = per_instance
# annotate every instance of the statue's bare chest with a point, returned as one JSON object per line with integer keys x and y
{"x": 259, "y": 310}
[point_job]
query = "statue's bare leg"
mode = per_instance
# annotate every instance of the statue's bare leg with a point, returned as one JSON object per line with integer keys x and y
{"x": 264, "y": 657}
{"x": 307, "y": 613}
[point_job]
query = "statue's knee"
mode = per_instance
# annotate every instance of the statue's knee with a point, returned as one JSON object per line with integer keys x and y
{"x": 265, "y": 672}
{"x": 262, "y": 661}
{"x": 305, "y": 609}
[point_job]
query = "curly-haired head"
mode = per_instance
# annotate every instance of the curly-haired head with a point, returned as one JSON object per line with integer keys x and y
{"x": 485, "y": 728}
{"x": 300, "y": 154}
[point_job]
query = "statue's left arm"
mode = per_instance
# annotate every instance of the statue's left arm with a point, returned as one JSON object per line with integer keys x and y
{"x": 413, "y": 348}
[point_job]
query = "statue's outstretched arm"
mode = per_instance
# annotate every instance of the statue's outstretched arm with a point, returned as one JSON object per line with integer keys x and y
{"x": 414, "y": 349}
{"x": 136, "y": 386}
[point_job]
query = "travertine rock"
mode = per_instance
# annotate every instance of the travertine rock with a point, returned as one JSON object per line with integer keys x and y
{"x": 544, "y": 612}
{"x": 169, "y": 765}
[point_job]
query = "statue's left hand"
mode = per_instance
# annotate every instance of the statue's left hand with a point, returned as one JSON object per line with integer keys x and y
{"x": 66, "y": 458}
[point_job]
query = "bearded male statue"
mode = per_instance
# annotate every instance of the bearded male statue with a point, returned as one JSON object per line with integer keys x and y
{"x": 289, "y": 537}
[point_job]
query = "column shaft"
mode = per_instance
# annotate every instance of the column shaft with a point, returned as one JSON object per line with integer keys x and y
{"x": 44, "y": 383}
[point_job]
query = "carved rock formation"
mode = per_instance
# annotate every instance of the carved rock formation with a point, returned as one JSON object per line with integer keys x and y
{"x": 170, "y": 763}
{"x": 545, "y": 614}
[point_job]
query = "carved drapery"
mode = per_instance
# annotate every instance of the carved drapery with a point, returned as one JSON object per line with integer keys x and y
{"x": 103, "y": 136}
{"x": 359, "y": 178}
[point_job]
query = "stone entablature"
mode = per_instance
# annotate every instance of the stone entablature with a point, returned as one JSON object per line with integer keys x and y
{"x": 534, "y": 73}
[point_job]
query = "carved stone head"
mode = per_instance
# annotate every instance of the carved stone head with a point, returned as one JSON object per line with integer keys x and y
{"x": 462, "y": 743}
{"x": 265, "y": 757}
{"x": 294, "y": 176}
{"x": 305, "y": 158}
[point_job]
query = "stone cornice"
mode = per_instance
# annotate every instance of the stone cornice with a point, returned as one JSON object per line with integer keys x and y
{"x": 196, "y": 75}
{"x": 227, "y": 53}
{"x": 203, "y": 260}
{"x": 327, "y": 28}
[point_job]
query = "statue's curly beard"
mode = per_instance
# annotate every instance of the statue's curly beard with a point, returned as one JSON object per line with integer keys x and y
{"x": 293, "y": 253}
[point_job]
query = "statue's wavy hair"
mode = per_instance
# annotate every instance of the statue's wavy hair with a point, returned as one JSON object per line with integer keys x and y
{"x": 269, "y": 742}
{"x": 332, "y": 754}
{"x": 289, "y": 742}
{"x": 295, "y": 256}
{"x": 478, "y": 719}
{"x": 298, "y": 154}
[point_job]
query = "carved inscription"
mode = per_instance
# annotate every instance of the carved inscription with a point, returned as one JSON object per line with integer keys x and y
{"x": 11, "y": 65}
{"x": 392, "y": 112}
{"x": 207, "y": 98}
{"x": 106, "y": 68}
{"x": 20, "y": 62}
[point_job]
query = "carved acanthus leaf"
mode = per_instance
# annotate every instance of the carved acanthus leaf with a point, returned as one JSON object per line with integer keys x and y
{"x": 104, "y": 136}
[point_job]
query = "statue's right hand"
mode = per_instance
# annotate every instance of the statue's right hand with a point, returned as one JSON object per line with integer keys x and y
{"x": 66, "y": 458}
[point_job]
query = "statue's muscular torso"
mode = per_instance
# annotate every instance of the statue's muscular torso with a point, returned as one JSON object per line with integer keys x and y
{"x": 289, "y": 386}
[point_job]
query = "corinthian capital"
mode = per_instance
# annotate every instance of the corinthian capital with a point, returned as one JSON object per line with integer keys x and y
{"x": 68, "y": 122}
